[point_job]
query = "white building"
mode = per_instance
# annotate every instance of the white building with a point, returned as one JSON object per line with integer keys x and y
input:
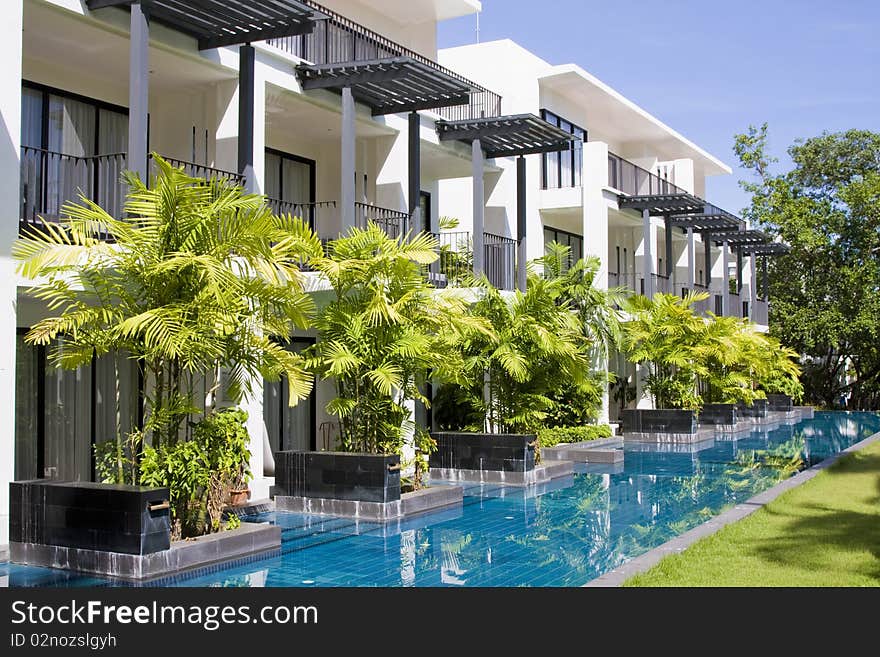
{"x": 338, "y": 112}
{"x": 604, "y": 195}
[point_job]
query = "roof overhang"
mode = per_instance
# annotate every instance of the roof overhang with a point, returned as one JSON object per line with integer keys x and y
{"x": 769, "y": 249}
{"x": 218, "y": 23}
{"x": 620, "y": 120}
{"x": 508, "y": 136}
{"x": 708, "y": 222}
{"x": 744, "y": 239}
{"x": 666, "y": 205}
{"x": 391, "y": 85}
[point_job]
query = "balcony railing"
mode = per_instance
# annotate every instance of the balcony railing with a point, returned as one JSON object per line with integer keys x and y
{"x": 662, "y": 284}
{"x": 203, "y": 171}
{"x": 393, "y": 222}
{"x": 761, "y": 313}
{"x": 50, "y": 179}
{"x": 456, "y": 258}
{"x": 735, "y": 305}
{"x": 310, "y": 212}
{"x": 340, "y": 39}
{"x": 699, "y": 307}
{"x": 500, "y": 261}
{"x": 633, "y": 180}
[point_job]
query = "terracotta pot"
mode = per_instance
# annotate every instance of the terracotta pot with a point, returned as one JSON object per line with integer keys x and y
{"x": 239, "y": 497}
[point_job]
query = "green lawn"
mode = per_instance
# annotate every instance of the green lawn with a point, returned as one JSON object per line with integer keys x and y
{"x": 823, "y": 533}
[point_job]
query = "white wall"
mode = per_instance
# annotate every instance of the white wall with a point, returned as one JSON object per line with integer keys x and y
{"x": 10, "y": 114}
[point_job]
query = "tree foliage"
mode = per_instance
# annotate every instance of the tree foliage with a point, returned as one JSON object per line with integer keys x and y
{"x": 193, "y": 281}
{"x": 826, "y": 293}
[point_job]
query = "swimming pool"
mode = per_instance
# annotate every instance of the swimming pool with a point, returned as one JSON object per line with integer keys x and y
{"x": 562, "y": 535}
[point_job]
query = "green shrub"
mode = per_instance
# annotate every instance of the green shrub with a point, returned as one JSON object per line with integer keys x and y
{"x": 199, "y": 473}
{"x": 550, "y": 437}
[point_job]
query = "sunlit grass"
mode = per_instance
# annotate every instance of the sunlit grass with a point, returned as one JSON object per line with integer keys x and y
{"x": 823, "y": 533}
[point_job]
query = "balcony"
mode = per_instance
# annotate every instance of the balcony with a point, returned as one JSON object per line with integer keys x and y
{"x": 50, "y": 179}
{"x": 761, "y": 313}
{"x": 339, "y": 40}
{"x": 456, "y": 259}
{"x": 633, "y": 180}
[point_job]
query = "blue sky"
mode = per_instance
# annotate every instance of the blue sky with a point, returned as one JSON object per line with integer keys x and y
{"x": 709, "y": 68}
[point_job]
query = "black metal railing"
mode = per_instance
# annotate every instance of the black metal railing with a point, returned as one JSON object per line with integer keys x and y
{"x": 456, "y": 262}
{"x": 393, "y": 222}
{"x": 312, "y": 212}
{"x": 50, "y": 179}
{"x": 500, "y": 260}
{"x": 203, "y": 171}
{"x": 340, "y": 39}
{"x": 662, "y": 284}
{"x": 734, "y": 305}
{"x": 633, "y": 180}
{"x": 761, "y": 313}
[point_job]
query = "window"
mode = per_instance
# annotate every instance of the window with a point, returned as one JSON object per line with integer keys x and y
{"x": 61, "y": 414}
{"x": 289, "y": 427}
{"x": 563, "y": 169}
{"x": 289, "y": 177}
{"x": 574, "y": 242}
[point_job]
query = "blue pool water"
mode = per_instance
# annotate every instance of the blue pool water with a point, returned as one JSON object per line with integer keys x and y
{"x": 562, "y": 535}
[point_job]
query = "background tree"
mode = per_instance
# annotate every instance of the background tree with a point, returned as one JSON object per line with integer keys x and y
{"x": 826, "y": 292}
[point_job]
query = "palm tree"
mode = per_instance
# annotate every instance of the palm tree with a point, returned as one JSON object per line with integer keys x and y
{"x": 383, "y": 333}
{"x": 196, "y": 278}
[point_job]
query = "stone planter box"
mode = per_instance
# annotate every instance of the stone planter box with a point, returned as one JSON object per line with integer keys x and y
{"x": 484, "y": 451}
{"x": 758, "y": 409}
{"x": 719, "y": 414}
{"x": 116, "y": 531}
{"x": 658, "y": 421}
{"x": 779, "y": 403}
{"x": 83, "y": 515}
{"x": 416, "y": 503}
{"x": 338, "y": 476}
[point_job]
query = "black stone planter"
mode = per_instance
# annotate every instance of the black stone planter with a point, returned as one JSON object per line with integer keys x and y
{"x": 719, "y": 414}
{"x": 757, "y": 409}
{"x": 672, "y": 421}
{"x": 484, "y": 451}
{"x": 338, "y": 476}
{"x": 779, "y": 403}
{"x": 89, "y": 516}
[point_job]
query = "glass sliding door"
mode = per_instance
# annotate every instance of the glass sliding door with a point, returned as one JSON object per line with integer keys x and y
{"x": 67, "y": 441}
{"x": 60, "y": 414}
{"x": 28, "y": 375}
{"x": 289, "y": 428}
{"x": 289, "y": 177}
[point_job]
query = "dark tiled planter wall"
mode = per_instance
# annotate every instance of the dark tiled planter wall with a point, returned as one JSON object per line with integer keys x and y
{"x": 338, "y": 476}
{"x": 719, "y": 414}
{"x": 757, "y": 409}
{"x": 779, "y": 403}
{"x": 102, "y": 517}
{"x": 484, "y": 451}
{"x": 658, "y": 421}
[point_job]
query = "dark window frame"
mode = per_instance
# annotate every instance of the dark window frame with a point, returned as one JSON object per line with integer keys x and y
{"x": 557, "y": 232}
{"x": 574, "y": 155}
{"x": 313, "y": 169}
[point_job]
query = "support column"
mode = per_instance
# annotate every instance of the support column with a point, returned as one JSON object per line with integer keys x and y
{"x": 739, "y": 270}
{"x": 521, "y": 250}
{"x": 670, "y": 266}
{"x": 246, "y": 59}
{"x": 415, "y": 173}
{"x": 765, "y": 275}
{"x": 10, "y": 194}
{"x": 347, "y": 164}
{"x": 753, "y": 285}
{"x": 707, "y": 245}
{"x": 692, "y": 260}
{"x": 477, "y": 160}
{"x": 138, "y": 90}
{"x": 725, "y": 278}
{"x": 648, "y": 256}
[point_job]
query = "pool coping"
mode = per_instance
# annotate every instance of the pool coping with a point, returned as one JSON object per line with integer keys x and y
{"x": 651, "y": 558}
